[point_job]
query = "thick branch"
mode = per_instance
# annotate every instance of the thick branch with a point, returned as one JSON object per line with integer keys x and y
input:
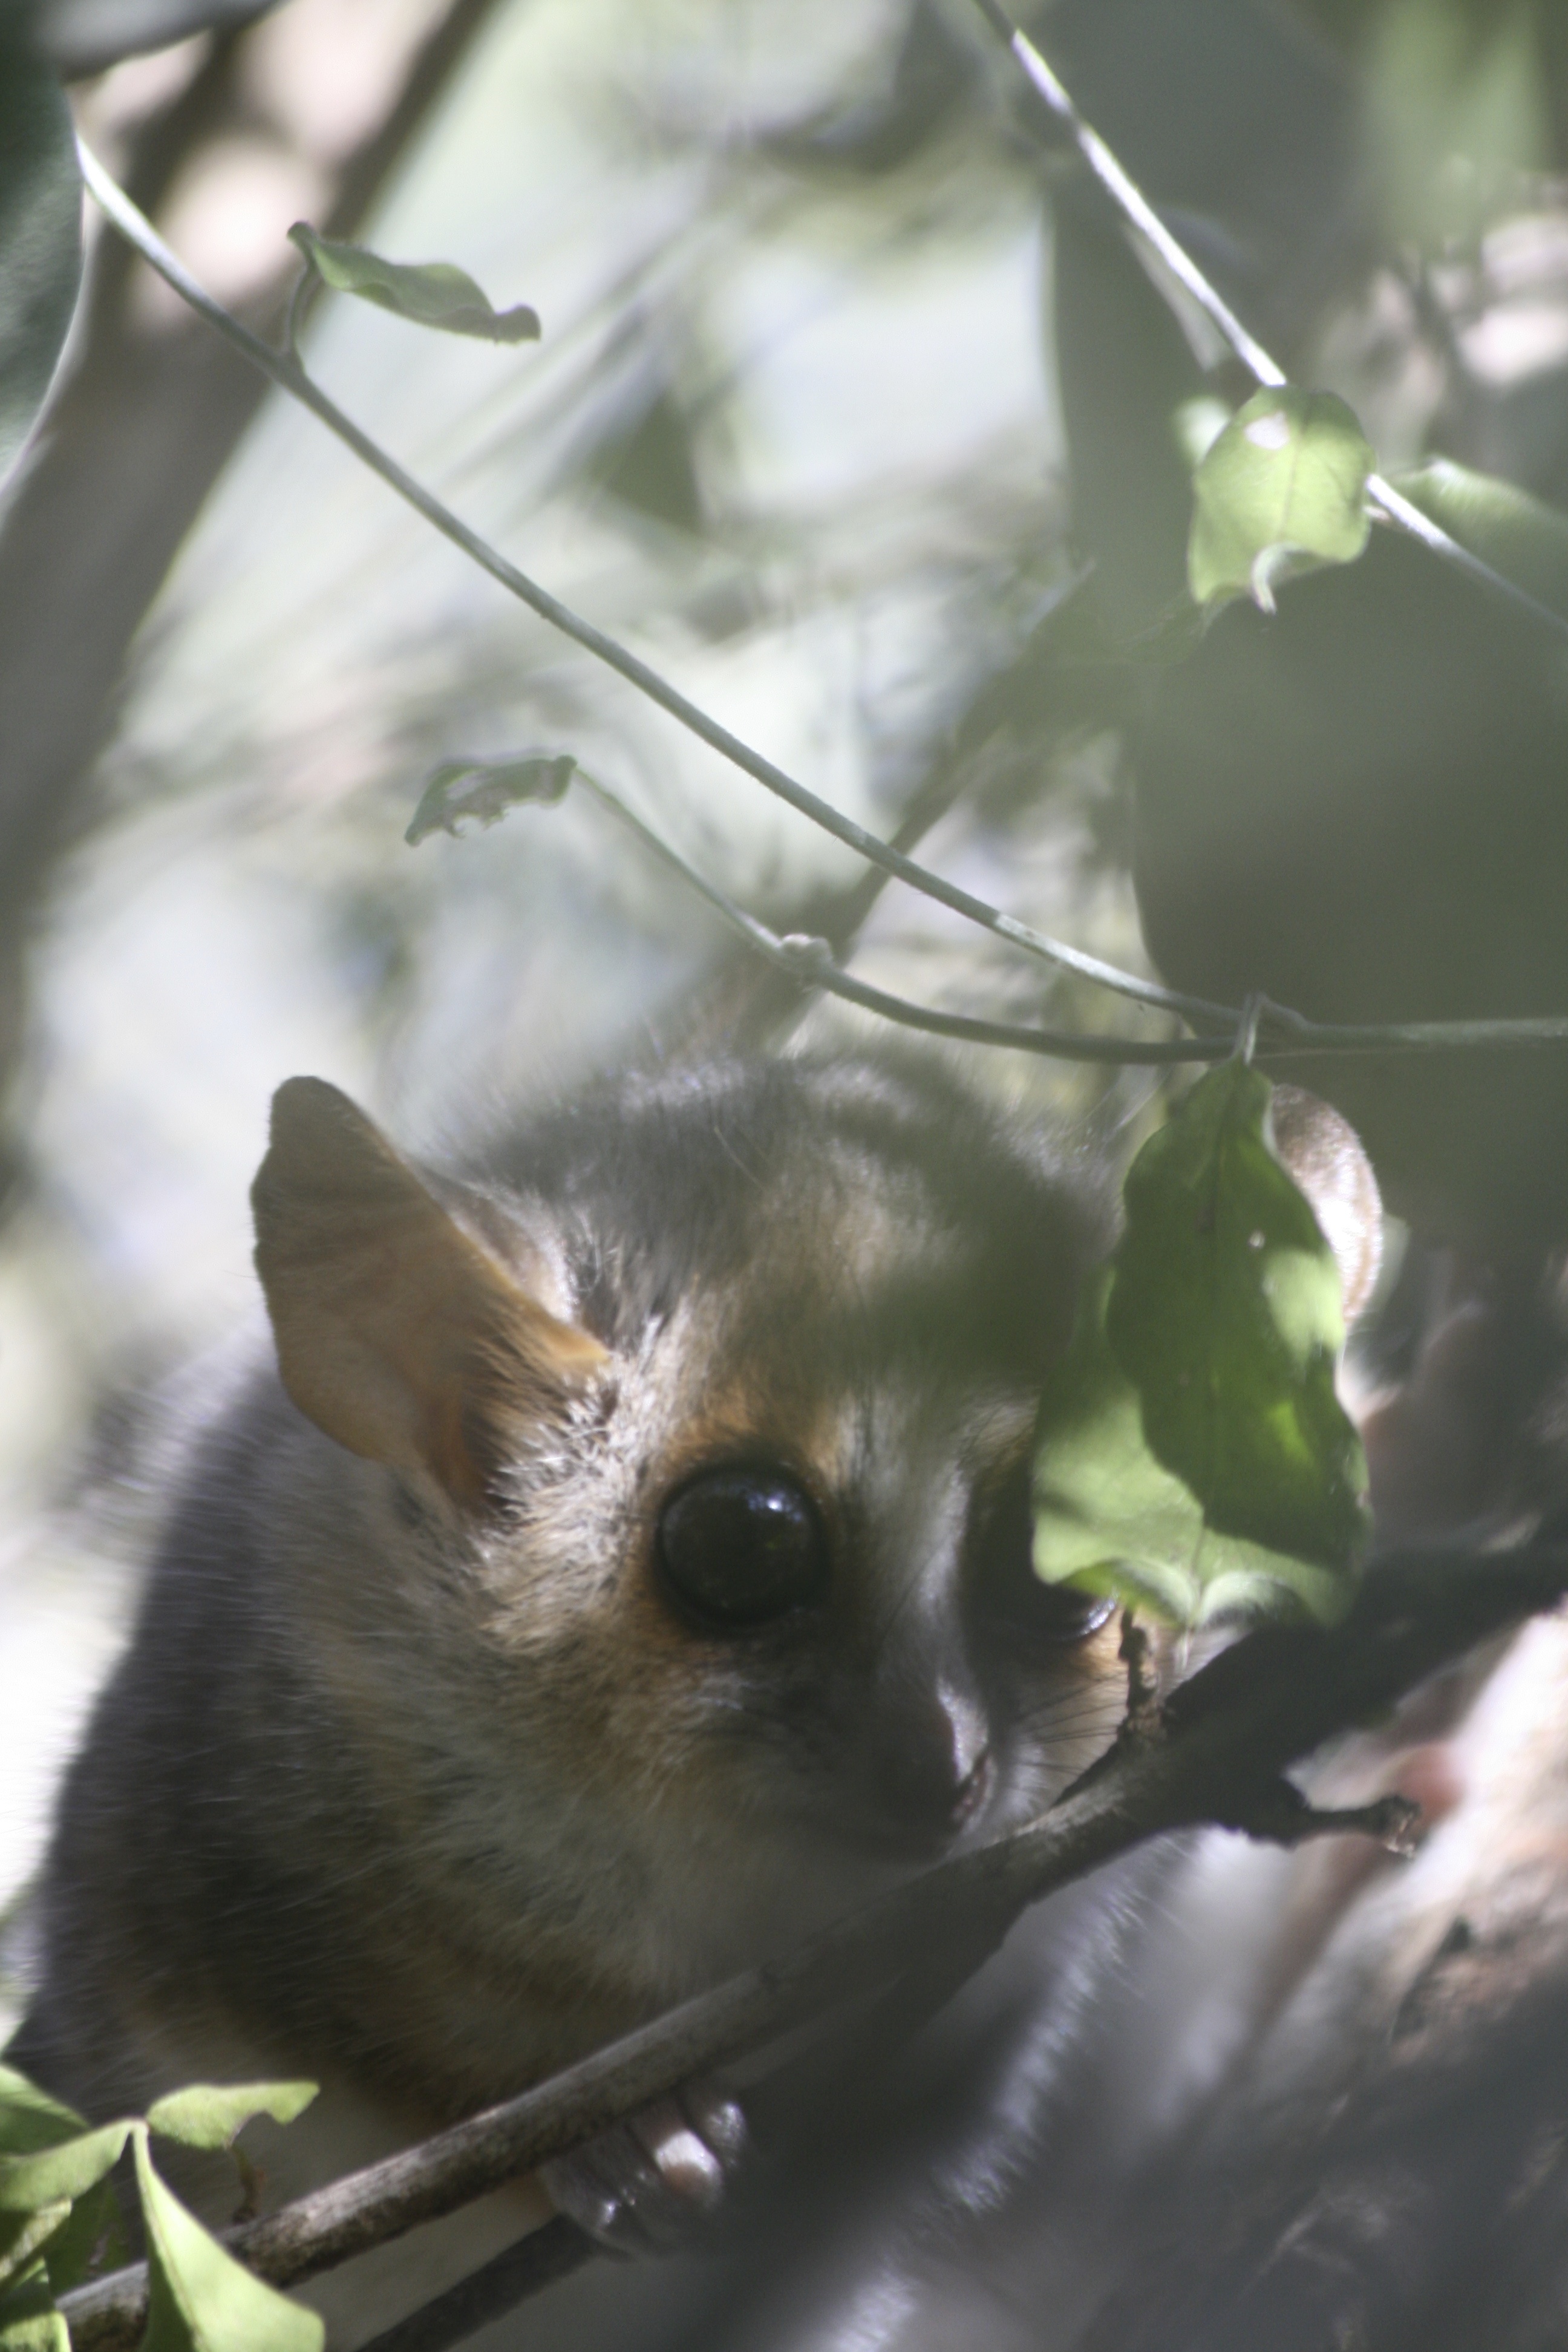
{"x": 1215, "y": 1754}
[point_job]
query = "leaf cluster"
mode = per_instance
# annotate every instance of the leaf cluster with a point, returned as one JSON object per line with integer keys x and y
{"x": 60, "y": 2221}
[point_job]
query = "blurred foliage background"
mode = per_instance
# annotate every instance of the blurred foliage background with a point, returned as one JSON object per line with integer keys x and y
{"x": 820, "y": 307}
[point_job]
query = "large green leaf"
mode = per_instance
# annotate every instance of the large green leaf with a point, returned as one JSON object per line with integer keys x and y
{"x": 1281, "y": 491}
{"x": 430, "y": 293}
{"x": 208, "y": 2114}
{"x": 41, "y": 232}
{"x": 201, "y": 2299}
{"x": 1193, "y": 1455}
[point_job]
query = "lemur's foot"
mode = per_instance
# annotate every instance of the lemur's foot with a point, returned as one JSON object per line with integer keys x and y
{"x": 648, "y": 2186}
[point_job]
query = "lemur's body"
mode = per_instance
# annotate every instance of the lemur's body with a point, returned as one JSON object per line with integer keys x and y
{"x": 635, "y": 1574}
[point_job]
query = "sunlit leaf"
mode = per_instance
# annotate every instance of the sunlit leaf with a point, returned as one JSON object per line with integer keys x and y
{"x": 208, "y": 2114}
{"x": 430, "y": 293}
{"x": 41, "y": 232}
{"x": 200, "y": 2299}
{"x": 486, "y": 789}
{"x": 1193, "y": 1454}
{"x": 1281, "y": 491}
{"x": 66, "y": 2170}
{"x": 67, "y": 2234}
{"x": 1110, "y": 1518}
{"x": 1227, "y": 1316}
{"x": 29, "y": 2320}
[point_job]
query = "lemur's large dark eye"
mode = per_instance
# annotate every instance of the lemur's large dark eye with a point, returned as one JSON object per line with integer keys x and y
{"x": 1008, "y": 1591}
{"x": 741, "y": 1545}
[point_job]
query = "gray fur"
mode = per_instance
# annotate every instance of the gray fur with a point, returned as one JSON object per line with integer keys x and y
{"x": 425, "y": 1802}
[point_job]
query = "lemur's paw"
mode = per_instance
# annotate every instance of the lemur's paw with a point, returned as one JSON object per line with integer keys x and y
{"x": 649, "y": 2185}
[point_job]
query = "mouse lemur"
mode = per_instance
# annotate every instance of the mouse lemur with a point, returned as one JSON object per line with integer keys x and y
{"x": 629, "y": 1569}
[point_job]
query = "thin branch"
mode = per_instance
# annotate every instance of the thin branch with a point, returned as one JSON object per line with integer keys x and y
{"x": 1305, "y": 1036}
{"x": 286, "y": 371}
{"x": 1215, "y": 1753}
{"x": 1135, "y": 207}
{"x": 811, "y": 963}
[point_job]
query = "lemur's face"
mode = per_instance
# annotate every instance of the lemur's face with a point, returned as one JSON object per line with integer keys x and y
{"x": 718, "y": 1390}
{"x": 799, "y": 1522}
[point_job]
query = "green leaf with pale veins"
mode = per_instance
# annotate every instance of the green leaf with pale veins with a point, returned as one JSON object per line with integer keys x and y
{"x": 200, "y": 2299}
{"x": 430, "y": 293}
{"x": 486, "y": 789}
{"x": 41, "y": 232}
{"x": 1193, "y": 1455}
{"x": 209, "y": 2115}
{"x": 1281, "y": 491}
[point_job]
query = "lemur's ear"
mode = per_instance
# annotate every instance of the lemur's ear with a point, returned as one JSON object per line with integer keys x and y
{"x": 1324, "y": 1155}
{"x": 396, "y": 1334}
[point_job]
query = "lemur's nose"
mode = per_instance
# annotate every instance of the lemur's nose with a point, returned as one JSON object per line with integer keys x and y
{"x": 934, "y": 1762}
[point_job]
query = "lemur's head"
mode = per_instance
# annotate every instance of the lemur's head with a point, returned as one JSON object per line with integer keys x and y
{"x": 706, "y": 1401}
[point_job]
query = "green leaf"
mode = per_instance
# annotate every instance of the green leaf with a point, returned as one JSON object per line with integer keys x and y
{"x": 93, "y": 2238}
{"x": 486, "y": 789}
{"x": 40, "y": 234}
{"x": 29, "y": 2320}
{"x": 68, "y": 2169}
{"x": 30, "y": 2118}
{"x": 1193, "y": 1455}
{"x": 430, "y": 293}
{"x": 200, "y": 2298}
{"x": 23, "y": 2237}
{"x": 1111, "y": 1520}
{"x": 1519, "y": 536}
{"x": 208, "y": 2114}
{"x": 1281, "y": 491}
{"x": 1227, "y": 1316}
